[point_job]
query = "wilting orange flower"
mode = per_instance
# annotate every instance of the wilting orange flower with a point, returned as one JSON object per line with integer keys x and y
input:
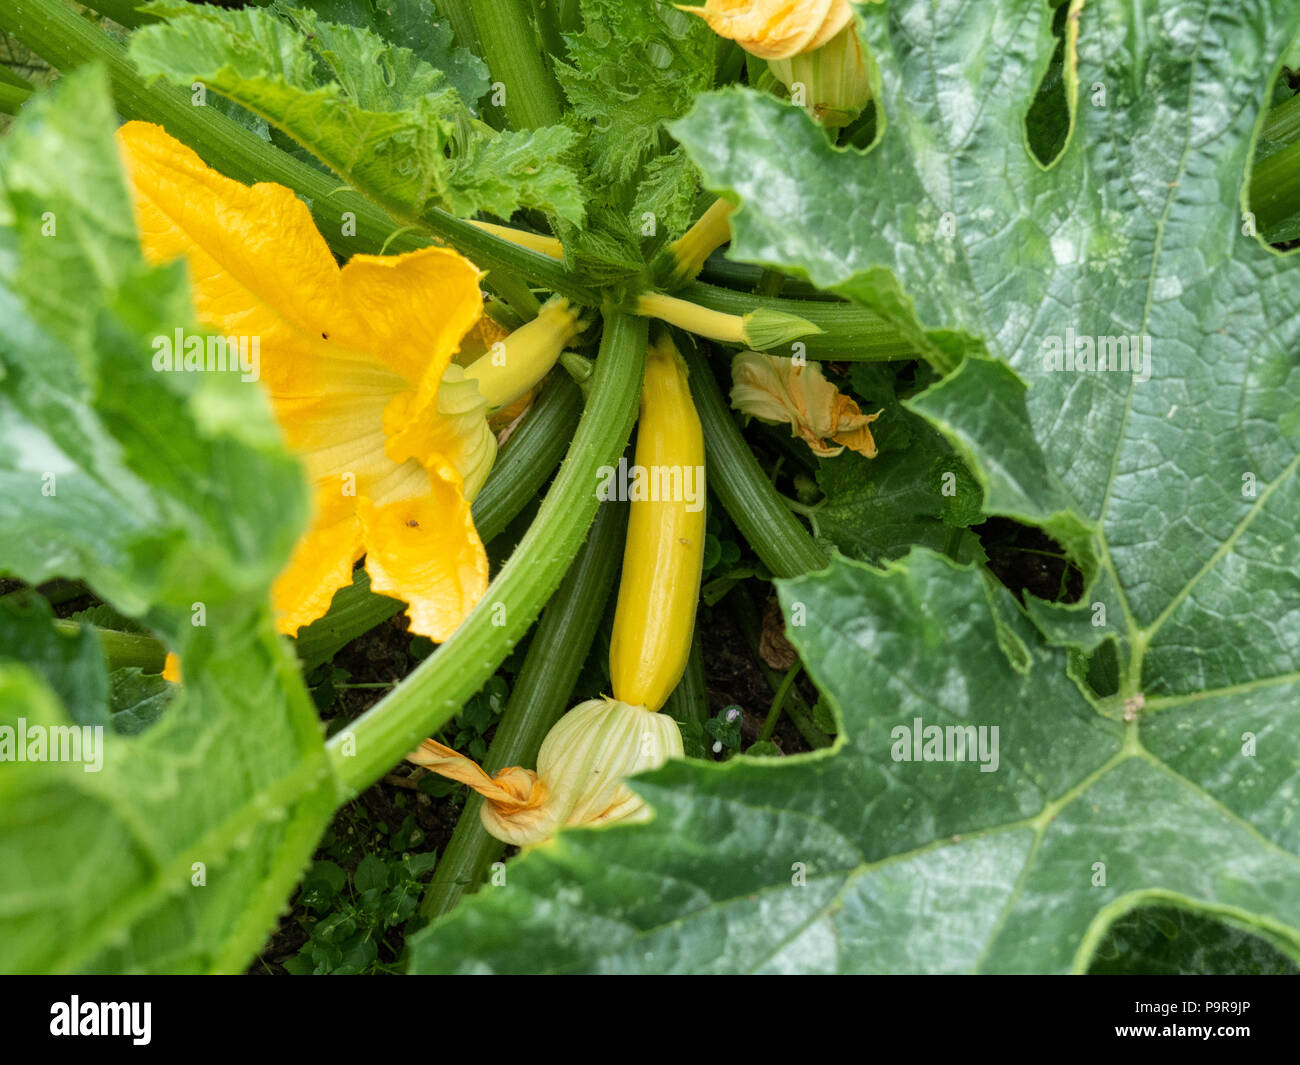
{"x": 775, "y": 390}
{"x": 776, "y": 29}
{"x": 581, "y": 768}
{"x": 353, "y": 359}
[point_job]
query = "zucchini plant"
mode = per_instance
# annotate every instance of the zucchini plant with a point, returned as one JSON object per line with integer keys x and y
{"x": 420, "y": 322}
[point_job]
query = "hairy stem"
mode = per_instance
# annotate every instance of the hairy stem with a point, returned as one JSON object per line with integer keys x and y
{"x": 514, "y": 56}
{"x": 123, "y": 649}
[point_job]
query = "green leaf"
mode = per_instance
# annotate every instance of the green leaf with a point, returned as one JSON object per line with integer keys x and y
{"x": 137, "y": 699}
{"x": 633, "y": 67}
{"x": 1176, "y": 495}
{"x": 668, "y": 194}
{"x": 412, "y": 24}
{"x": 170, "y": 496}
{"x": 876, "y": 509}
{"x": 377, "y": 114}
{"x": 371, "y": 874}
{"x": 72, "y": 665}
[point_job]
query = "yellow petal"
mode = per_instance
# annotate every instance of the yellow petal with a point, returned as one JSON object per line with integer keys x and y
{"x": 424, "y": 549}
{"x": 776, "y": 390}
{"x": 172, "y": 668}
{"x": 353, "y": 361}
{"x": 411, "y": 310}
{"x": 839, "y": 16}
{"x": 320, "y": 565}
{"x": 512, "y": 789}
{"x": 776, "y": 29}
{"x": 479, "y": 340}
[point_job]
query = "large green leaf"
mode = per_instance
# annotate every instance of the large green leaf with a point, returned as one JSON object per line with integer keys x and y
{"x": 1176, "y": 495}
{"x": 171, "y": 497}
{"x": 376, "y": 113}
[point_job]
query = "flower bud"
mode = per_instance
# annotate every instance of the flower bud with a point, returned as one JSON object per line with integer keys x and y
{"x": 831, "y": 83}
{"x": 811, "y": 47}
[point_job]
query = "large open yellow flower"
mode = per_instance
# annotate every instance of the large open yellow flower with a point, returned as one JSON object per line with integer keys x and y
{"x": 776, "y": 29}
{"x": 353, "y": 359}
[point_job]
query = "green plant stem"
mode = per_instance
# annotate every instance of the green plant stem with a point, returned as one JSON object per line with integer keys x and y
{"x": 516, "y": 294}
{"x": 123, "y": 650}
{"x": 731, "y": 64}
{"x": 689, "y": 701}
{"x": 545, "y": 18}
{"x": 528, "y": 458}
{"x": 783, "y": 689}
{"x": 541, "y": 696}
{"x": 1274, "y": 181}
{"x": 66, "y": 40}
{"x": 769, "y": 284}
{"x": 438, "y": 688}
{"x": 568, "y": 15}
{"x": 514, "y": 56}
{"x": 849, "y": 332}
{"x": 1275, "y": 186}
{"x": 8, "y": 77}
{"x": 952, "y": 544}
{"x": 1283, "y": 121}
{"x": 460, "y": 14}
{"x": 758, "y": 510}
{"x": 745, "y": 277}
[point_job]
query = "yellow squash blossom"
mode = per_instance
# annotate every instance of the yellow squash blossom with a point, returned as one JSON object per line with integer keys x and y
{"x": 776, "y": 390}
{"x": 776, "y": 29}
{"x": 354, "y": 361}
{"x": 811, "y": 47}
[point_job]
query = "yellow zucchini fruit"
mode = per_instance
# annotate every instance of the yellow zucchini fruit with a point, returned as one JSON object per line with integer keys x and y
{"x": 664, "y": 556}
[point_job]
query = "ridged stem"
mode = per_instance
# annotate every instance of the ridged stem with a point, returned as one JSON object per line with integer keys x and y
{"x": 757, "y": 509}
{"x": 849, "y": 332}
{"x": 514, "y": 56}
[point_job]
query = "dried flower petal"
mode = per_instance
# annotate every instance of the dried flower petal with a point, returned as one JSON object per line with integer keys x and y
{"x": 776, "y": 390}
